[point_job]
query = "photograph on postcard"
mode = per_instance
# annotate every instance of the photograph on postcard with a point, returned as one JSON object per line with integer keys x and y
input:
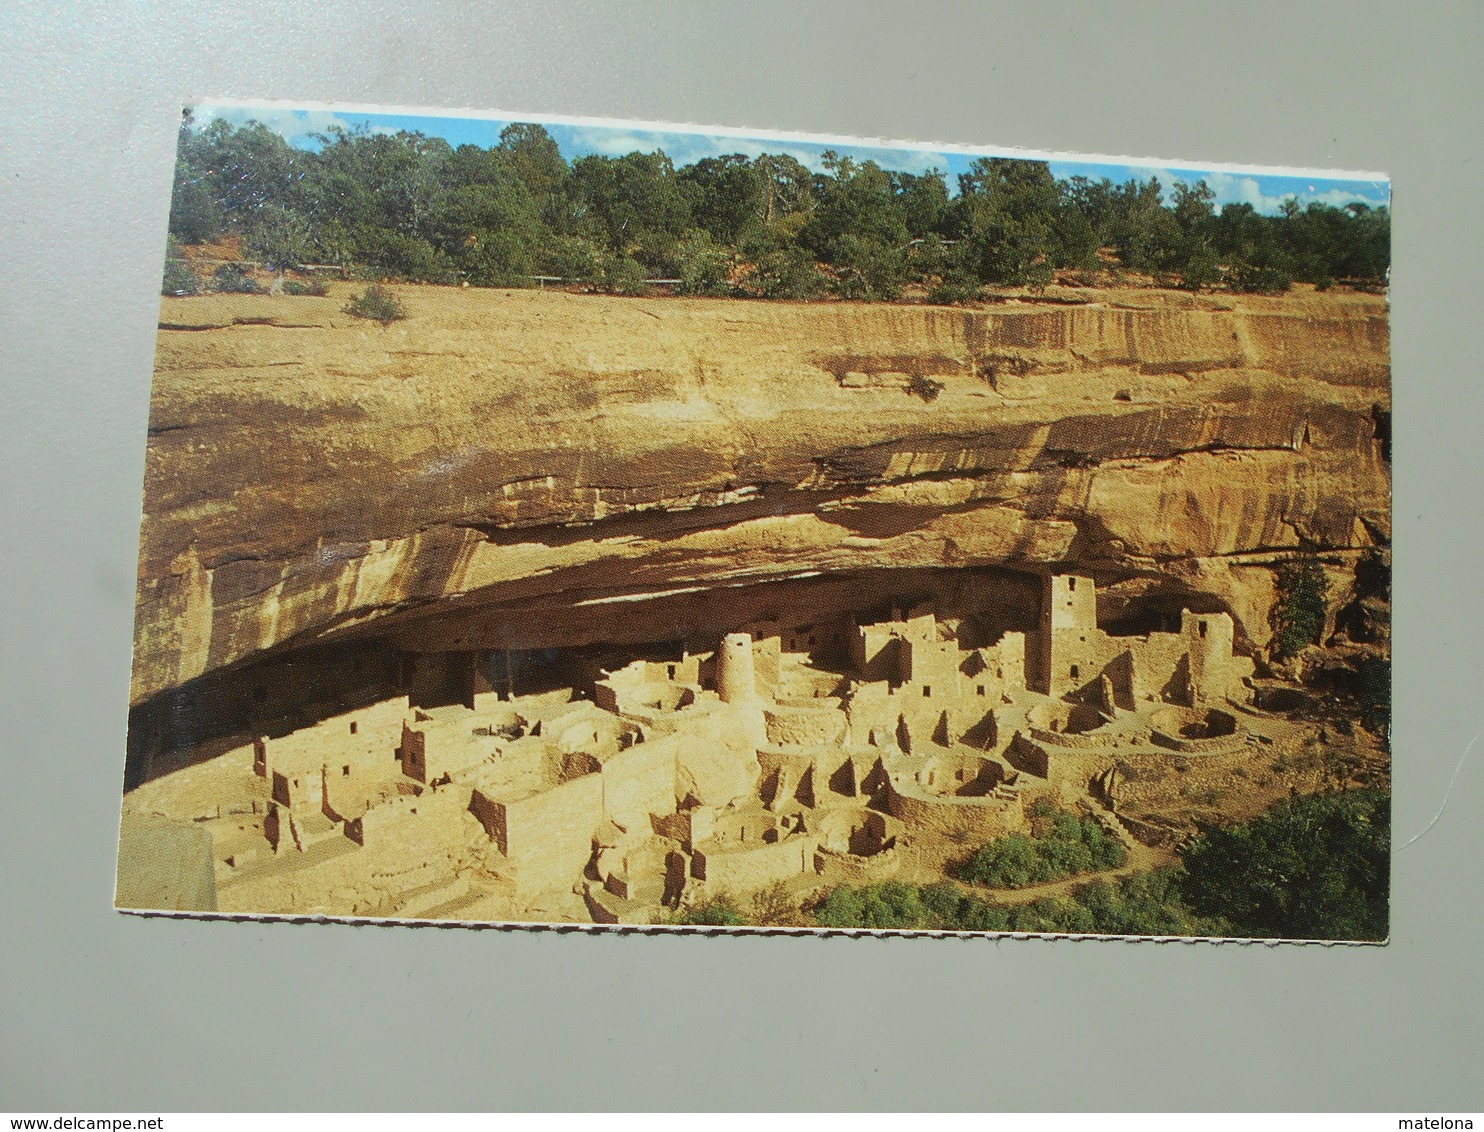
{"x": 566, "y": 521}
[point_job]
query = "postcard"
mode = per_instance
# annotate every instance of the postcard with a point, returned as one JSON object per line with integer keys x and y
{"x": 568, "y": 521}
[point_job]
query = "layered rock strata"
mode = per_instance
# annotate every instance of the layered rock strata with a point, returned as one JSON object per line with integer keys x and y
{"x": 499, "y": 458}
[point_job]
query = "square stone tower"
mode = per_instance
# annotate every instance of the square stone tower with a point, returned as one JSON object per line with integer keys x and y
{"x": 1067, "y": 644}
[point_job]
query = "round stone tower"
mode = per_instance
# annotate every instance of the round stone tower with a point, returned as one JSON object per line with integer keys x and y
{"x": 736, "y": 681}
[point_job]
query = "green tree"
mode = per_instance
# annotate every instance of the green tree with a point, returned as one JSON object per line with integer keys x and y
{"x": 1314, "y": 867}
{"x": 729, "y": 195}
{"x": 1299, "y": 614}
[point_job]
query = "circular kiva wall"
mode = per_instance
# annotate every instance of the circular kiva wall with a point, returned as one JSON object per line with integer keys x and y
{"x": 1201, "y": 730}
{"x": 1069, "y": 725}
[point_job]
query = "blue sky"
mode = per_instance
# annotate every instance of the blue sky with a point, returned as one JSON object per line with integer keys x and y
{"x": 1263, "y": 189}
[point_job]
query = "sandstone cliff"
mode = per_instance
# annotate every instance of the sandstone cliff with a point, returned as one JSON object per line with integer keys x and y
{"x": 310, "y": 475}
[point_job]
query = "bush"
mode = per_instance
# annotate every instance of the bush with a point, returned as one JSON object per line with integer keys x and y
{"x": 1261, "y": 279}
{"x": 1144, "y": 904}
{"x": 377, "y": 303}
{"x": 716, "y": 911}
{"x": 955, "y": 287}
{"x": 317, "y": 287}
{"x": 410, "y": 257}
{"x": 1314, "y": 867}
{"x": 785, "y": 274}
{"x": 1299, "y": 614}
{"x": 621, "y": 275}
{"x": 499, "y": 259}
{"x": 1074, "y": 845}
{"x": 1200, "y": 270}
{"x": 705, "y": 269}
{"x": 867, "y": 269}
{"x": 889, "y": 905}
{"x": 179, "y": 279}
{"x": 232, "y": 278}
{"x": 571, "y": 257}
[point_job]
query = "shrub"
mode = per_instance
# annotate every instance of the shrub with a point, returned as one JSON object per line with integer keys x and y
{"x": 402, "y": 256}
{"x": 1144, "y": 904}
{"x": 889, "y": 905}
{"x": 785, "y": 274}
{"x": 704, "y": 268}
{"x": 1201, "y": 270}
{"x": 1262, "y": 279}
{"x": 1298, "y": 615}
{"x": 716, "y": 911}
{"x": 232, "y": 278}
{"x": 621, "y": 275}
{"x": 867, "y": 269}
{"x": 377, "y": 303}
{"x": 955, "y": 287}
{"x": 571, "y": 257}
{"x": 1073, "y": 845}
{"x": 317, "y": 287}
{"x": 179, "y": 279}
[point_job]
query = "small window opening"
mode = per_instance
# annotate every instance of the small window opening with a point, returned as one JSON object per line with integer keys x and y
{"x": 981, "y": 689}
{"x": 1076, "y": 673}
{"x": 354, "y": 727}
{"x": 1071, "y": 583}
{"x": 345, "y": 771}
{"x": 927, "y": 692}
{"x": 672, "y": 672}
{"x": 1203, "y": 628}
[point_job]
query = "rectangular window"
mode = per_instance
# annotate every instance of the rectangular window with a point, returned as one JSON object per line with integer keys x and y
{"x": 1203, "y": 628}
{"x": 1075, "y": 673}
{"x": 927, "y": 692}
{"x": 1071, "y": 583}
{"x": 354, "y": 726}
{"x": 981, "y": 689}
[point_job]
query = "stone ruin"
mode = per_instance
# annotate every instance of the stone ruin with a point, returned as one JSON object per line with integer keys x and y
{"x": 838, "y": 751}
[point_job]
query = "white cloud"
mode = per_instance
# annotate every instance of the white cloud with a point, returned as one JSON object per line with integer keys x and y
{"x": 686, "y": 148}
{"x": 294, "y": 126}
{"x": 1239, "y": 188}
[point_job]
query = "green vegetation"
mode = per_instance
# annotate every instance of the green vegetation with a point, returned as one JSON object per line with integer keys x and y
{"x": 1310, "y": 868}
{"x": 411, "y": 207}
{"x": 377, "y": 303}
{"x": 1316, "y": 867}
{"x": 1147, "y": 904}
{"x": 1298, "y": 615}
{"x": 232, "y": 278}
{"x": 179, "y": 279}
{"x": 316, "y": 287}
{"x": 716, "y": 911}
{"x": 1071, "y": 846}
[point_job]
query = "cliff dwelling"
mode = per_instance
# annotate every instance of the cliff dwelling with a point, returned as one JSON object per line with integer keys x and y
{"x": 809, "y": 744}
{"x": 574, "y": 608}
